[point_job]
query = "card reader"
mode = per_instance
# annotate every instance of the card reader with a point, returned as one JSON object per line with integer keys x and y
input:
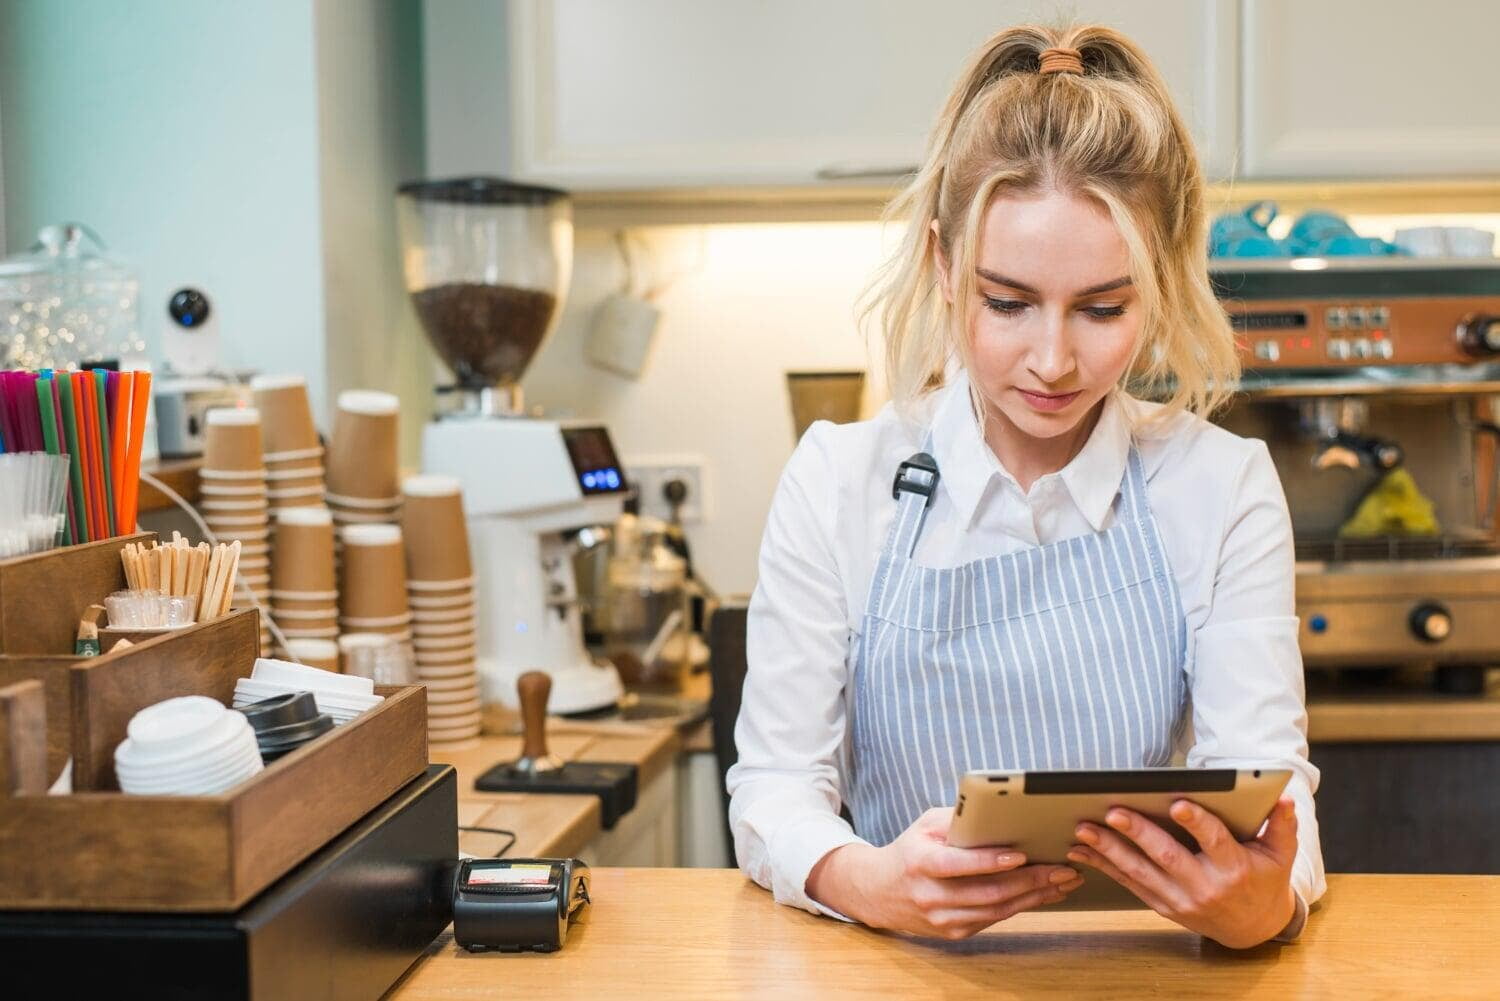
{"x": 517, "y": 905}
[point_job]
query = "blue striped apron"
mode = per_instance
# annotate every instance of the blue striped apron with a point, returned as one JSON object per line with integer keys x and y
{"x": 1066, "y": 655}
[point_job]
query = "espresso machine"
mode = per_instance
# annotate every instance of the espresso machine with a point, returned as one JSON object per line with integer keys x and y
{"x": 487, "y": 263}
{"x": 1361, "y": 374}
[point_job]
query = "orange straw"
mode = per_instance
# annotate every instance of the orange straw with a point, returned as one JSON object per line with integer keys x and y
{"x": 140, "y": 396}
{"x": 85, "y": 456}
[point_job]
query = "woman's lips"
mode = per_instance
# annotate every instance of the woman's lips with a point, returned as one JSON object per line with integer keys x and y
{"x": 1048, "y": 402}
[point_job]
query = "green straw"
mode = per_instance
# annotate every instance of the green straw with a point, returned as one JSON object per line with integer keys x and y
{"x": 101, "y": 382}
{"x": 49, "y": 436}
{"x": 75, "y": 462}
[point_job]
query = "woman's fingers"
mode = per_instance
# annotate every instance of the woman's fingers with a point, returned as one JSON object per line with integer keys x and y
{"x": 1280, "y": 836}
{"x": 1130, "y": 861}
{"x": 994, "y": 891}
{"x": 962, "y": 922}
{"x": 947, "y": 862}
{"x": 1215, "y": 840}
{"x": 1169, "y": 854}
{"x": 1084, "y": 855}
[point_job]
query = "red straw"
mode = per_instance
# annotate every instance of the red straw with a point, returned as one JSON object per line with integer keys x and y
{"x": 140, "y": 397}
{"x": 119, "y": 419}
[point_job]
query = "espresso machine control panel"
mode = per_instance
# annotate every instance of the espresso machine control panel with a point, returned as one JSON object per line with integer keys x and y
{"x": 1371, "y": 312}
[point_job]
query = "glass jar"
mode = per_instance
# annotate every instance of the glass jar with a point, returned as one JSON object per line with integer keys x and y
{"x": 64, "y": 304}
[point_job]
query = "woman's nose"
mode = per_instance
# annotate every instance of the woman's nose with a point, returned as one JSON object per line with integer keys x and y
{"x": 1051, "y": 358}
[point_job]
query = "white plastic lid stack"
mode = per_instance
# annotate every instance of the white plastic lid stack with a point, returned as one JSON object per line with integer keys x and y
{"x": 368, "y": 401}
{"x": 304, "y": 517}
{"x": 431, "y": 485}
{"x": 282, "y": 380}
{"x": 371, "y": 535}
{"x": 233, "y": 416}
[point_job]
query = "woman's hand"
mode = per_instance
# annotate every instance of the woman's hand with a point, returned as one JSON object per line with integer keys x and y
{"x": 922, "y": 885}
{"x": 1237, "y": 894}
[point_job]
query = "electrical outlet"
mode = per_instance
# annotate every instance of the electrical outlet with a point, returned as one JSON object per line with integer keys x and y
{"x": 650, "y": 473}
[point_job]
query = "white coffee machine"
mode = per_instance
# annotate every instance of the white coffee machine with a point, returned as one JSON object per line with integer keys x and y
{"x": 529, "y": 486}
{"x": 487, "y": 263}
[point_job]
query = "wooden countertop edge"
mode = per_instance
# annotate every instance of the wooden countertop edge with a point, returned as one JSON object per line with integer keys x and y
{"x": 1457, "y": 718}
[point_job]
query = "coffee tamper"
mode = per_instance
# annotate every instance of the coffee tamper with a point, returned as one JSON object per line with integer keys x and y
{"x": 533, "y": 688}
{"x": 536, "y": 770}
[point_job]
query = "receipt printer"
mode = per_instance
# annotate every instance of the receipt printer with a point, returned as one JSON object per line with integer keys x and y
{"x": 517, "y": 905}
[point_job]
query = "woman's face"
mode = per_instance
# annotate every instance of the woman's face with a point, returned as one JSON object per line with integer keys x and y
{"x": 1056, "y": 317}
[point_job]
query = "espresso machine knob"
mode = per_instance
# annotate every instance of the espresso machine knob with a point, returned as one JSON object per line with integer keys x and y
{"x": 1479, "y": 335}
{"x": 1431, "y": 622}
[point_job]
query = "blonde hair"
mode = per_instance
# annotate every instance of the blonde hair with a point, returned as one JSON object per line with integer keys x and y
{"x": 1109, "y": 133}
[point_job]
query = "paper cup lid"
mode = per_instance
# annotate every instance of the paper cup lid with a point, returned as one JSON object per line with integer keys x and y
{"x": 368, "y": 401}
{"x": 431, "y": 485}
{"x": 282, "y": 380}
{"x": 371, "y": 535}
{"x": 304, "y": 516}
{"x": 233, "y": 416}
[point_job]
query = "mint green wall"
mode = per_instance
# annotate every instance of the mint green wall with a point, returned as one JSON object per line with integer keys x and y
{"x": 249, "y": 149}
{"x": 185, "y": 133}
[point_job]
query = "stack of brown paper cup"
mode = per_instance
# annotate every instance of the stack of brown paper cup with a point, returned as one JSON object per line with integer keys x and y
{"x": 293, "y": 453}
{"x": 363, "y": 487}
{"x": 322, "y": 654}
{"x": 233, "y": 501}
{"x": 372, "y": 585}
{"x": 304, "y": 586}
{"x": 440, "y": 585}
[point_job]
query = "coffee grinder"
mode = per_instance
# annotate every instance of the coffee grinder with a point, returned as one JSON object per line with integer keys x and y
{"x": 487, "y": 263}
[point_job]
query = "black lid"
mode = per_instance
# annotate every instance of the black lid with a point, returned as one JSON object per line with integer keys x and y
{"x": 481, "y": 191}
{"x": 278, "y": 710}
{"x": 293, "y": 734}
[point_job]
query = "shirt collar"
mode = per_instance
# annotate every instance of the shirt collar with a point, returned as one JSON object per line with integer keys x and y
{"x": 968, "y": 466}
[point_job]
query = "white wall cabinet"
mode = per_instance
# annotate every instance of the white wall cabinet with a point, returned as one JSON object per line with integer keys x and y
{"x": 1349, "y": 88}
{"x": 662, "y": 93}
{"x": 607, "y": 95}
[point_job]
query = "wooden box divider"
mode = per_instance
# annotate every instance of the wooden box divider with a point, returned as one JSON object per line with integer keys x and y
{"x": 100, "y": 849}
{"x": 43, "y": 595}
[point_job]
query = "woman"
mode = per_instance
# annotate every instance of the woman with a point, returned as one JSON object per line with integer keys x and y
{"x": 1094, "y": 582}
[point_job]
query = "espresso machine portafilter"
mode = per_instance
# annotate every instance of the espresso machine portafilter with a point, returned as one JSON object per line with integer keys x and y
{"x": 1356, "y": 370}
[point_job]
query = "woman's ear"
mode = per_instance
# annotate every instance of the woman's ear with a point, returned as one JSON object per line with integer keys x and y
{"x": 940, "y": 262}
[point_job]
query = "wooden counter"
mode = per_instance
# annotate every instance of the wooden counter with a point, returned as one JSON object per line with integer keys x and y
{"x": 179, "y": 475}
{"x": 709, "y": 933}
{"x": 550, "y": 825}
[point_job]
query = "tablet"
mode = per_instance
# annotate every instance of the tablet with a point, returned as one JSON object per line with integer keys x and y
{"x": 1037, "y": 812}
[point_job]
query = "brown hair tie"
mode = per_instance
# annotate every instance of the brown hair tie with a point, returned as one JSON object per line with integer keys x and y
{"x": 1061, "y": 61}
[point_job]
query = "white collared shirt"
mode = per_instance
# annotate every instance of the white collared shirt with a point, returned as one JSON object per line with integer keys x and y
{"x": 1223, "y": 519}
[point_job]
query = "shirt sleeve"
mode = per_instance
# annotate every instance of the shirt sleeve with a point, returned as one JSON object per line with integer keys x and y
{"x": 786, "y": 788}
{"x": 1248, "y": 699}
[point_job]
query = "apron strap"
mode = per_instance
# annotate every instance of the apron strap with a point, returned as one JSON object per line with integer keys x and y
{"x": 914, "y": 488}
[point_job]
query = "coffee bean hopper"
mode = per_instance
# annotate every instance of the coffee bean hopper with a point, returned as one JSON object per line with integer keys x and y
{"x": 487, "y": 263}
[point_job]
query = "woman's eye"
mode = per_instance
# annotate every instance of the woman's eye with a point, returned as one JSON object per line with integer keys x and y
{"x": 1005, "y": 307}
{"x": 1104, "y": 312}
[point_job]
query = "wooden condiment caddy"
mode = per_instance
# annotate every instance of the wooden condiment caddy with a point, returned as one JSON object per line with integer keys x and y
{"x": 100, "y": 849}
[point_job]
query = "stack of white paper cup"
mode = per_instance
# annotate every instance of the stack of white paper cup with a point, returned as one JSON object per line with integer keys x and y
{"x": 232, "y": 500}
{"x": 440, "y": 586}
{"x": 293, "y": 453}
{"x": 304, "y": 584}
{"x": 372, "y": 582}
{"x": 362, "y": 471}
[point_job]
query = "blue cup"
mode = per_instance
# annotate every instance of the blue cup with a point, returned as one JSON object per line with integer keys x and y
{"x": 1243, "y": 234}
